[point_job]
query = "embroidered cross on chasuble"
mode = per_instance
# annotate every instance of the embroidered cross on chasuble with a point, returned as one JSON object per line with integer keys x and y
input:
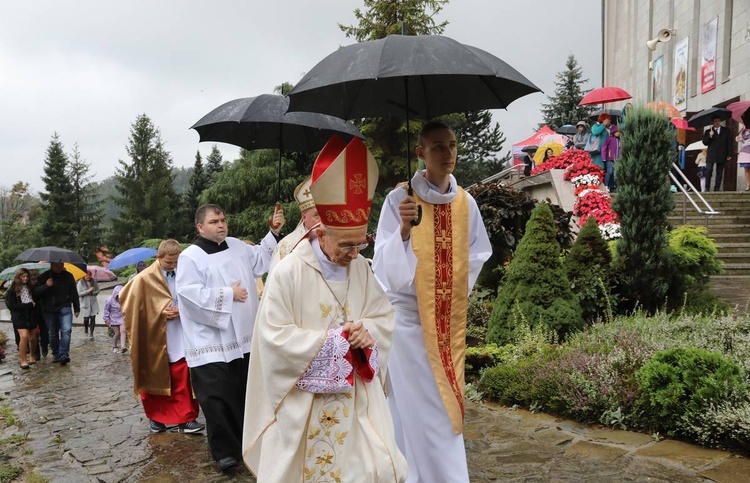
{"x": 441, "y": 245}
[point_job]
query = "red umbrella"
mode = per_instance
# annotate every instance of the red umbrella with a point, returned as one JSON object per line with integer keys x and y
{"x": 101, "y": 274}
{"x": 664, "y": 107}
{"x": 740, "y": 109}
{"x": 680, "y": 123}
{"x": 603, "y": 95}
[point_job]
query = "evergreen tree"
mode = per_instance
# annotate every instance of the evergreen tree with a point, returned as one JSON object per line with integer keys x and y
{"x": 199, "y": 182}
{"x": 563, "y": 106}
{"x": 284, "y": 88}
{"x": 214, "y": 163}
{"x": 480, "y": 144}
{"x": 536, "y": 289}
{"x": 386, "y": 137}
{"x": 58, "y": 211}
{"x": 87, "y": 212}
{"x": 20, "y": 222}
{"x": 145, "y": 193}
{"x": 643, "y": 203}
{"x": 588, "y": 267}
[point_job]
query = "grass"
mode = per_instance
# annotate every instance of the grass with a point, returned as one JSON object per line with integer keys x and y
{"x": 58, "y": 439}
{"x": 35, "y": 478}
{"x": 6, "y": 414}
{"x": 9, "y": 472}
{"x": 15, "y": 439}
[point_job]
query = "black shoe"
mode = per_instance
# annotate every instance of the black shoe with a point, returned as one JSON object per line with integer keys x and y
{"x": 44, "y": 352}
{"x": 190, "y": 427}
{"x": 156, "y": 427}
{"x": 55, "y": 359}
{"x": 64, "y": 360}
{"x": 226, "y": 464}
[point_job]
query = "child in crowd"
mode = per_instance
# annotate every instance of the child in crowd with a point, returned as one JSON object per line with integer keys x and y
{"x": 113, "y": 319}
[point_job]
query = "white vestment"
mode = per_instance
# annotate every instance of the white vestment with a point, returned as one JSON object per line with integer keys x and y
{"x": 287, "y": 244}
{"x": 215, "y": 328}
{"x": 290, "y": 434}
{"x": 425, "y": 434}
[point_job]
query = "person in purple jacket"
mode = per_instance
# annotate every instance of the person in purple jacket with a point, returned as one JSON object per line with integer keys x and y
{"x": 610, "y": 154}
{"x": 114, "y": 320}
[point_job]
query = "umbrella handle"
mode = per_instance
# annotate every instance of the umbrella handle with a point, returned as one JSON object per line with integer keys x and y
{"x": 419, "y": 209}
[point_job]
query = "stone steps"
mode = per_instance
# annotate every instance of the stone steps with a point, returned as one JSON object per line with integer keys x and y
{"x": 729, "y": 247}
{"x": 700, "y": 220}
{"x": 735, "y": 258}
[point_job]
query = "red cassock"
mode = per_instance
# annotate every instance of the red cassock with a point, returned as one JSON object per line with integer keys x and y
{"x": 181, "y": 407}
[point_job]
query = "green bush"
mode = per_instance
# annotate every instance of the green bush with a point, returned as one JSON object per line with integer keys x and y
{"x": 679, "y": 384}
{"x": 588, "y": 267}
{"x": 693, "y": 258}
{"x": 481, "y": 357}
{"x": 704, "y": 303}
{"x": 536, "y": 290}
{"x": 508, "y": 384}
{"x": 477, "y": 316}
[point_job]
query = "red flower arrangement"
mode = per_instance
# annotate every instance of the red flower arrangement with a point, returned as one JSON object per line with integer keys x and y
{"x": 581, "y": 167}
{"x": 597, "y": 204}
{"x": 562, "y": 161}
{"x": 580, "y": 189}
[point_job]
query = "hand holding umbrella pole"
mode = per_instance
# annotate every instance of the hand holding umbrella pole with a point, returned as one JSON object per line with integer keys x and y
{"x": 276, "y": 221}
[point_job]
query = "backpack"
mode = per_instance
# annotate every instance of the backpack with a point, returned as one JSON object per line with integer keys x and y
{"x": 593, "y": 145}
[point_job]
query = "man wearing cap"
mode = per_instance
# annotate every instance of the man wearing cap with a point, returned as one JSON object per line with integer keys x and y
{"x": 161, "y": 377}
{"x": 427, "y": 272}
{"x": 310, "y": 218}
{"x": 316, "y": 407}
{"x": 217, "y": 319}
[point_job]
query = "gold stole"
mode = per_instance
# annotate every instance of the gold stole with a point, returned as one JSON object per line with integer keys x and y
{"x": 441, "y": 245}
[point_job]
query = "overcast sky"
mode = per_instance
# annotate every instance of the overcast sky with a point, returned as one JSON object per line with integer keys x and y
{"x": 85, "y": 69}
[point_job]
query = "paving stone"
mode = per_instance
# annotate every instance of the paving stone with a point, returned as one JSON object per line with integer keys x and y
{"x": 730, "y": 470}
{"x": 595, "y": 451}
{"x": 628, "y": 438}
{"x": 553, "y": 437}
{"x": 683, "y": 453}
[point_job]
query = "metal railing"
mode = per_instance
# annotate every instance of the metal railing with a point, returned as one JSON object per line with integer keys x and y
{"x": 707, "y": 211}
{"x": 501, "y": 175}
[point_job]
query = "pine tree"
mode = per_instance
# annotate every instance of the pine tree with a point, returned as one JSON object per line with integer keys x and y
{"x": 563, "y": 106}
{"x": 536, "y": 290}
{"x": 643, "y": 203}
{"x": 588, "y": 267}
{"x": 87, "y": 211}
{"x": 58, "y": 222}
{"x": 480, "y": 144}
{"x": 199, "y": 182}
{"x": 214, "y": 163}
{"x": 145, "y": 193}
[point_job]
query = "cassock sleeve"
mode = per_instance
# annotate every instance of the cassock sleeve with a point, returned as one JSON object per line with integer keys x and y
{"x": 261, "y": 254}
{"x": 201, "y": 304}
{"x": 480, "y": 248}
{"x": 394, "y": 262}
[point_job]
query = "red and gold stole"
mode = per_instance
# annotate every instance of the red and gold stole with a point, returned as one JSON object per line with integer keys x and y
{"x": 441, "y": 245}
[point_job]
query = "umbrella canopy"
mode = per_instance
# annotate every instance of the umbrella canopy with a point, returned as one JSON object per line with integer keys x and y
{"x": 262, "y": 122}
{"x": 614, "y": 114}
{"x": 740, "y": 112}
{"x": 9, "y": 272}
{"x": 50, "y": 254}
{"x": 680, "y": 123}
{"x": 531, "y": 148}
{"x": 696, "y": 146}
{"x": 664, "y": 107}
{"x": 603, "y": 95}
{"x": 556, "y": 148}
{"x": 567, "y": 129}
{"x": 131, "y": 256}
{"x": 704, "y": 117}
{"x": 101, "y": 274}
{"x": 408, "y": 75}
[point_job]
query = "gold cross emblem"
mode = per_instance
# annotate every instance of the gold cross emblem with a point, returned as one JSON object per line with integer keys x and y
{"x": 357, "y": 184}
{"x": 443, "y": 239}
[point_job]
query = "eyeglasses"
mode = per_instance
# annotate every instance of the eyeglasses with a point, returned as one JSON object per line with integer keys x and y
{"x": 350, "y": 248}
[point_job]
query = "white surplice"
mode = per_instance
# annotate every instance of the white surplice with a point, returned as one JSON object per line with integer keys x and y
{"x": 287, "y": 244}
{"x": 424, "y": 432}
{"x": 215, "y": 328}
{"x": 294, "y": 435}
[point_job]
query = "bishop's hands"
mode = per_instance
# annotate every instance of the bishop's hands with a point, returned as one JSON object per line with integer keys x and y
{"x": 358, "y": 338}
{"x": 407, "y": 210}
{"x": 276, "y": 222}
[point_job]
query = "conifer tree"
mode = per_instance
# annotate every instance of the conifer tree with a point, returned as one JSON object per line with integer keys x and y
{"x": 588, "y": 267}
{"x": 214, "y": 164}
{"x": 199, "y": 182}
{"x": 87, "y": 211}
{"x": 58, "y": 212}
{"x": 480, "y": 143}
{"x": 536, "y": 290}
{"x": 643, "y": 203}
{"x": 145, "y": 193}
{"x": 563, "y": 107}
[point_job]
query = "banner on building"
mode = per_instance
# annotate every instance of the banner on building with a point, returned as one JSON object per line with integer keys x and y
{"x": 708, "y": 65}
{"x": 680, "y": 74}
{"x": 657, "y": 79}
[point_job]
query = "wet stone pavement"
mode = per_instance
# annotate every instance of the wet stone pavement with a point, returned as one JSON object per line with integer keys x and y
{"x": 84, "y": 424}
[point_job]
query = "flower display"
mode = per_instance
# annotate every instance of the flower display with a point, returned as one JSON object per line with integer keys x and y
{"x": 610, "y": 231}
{"x": 562, "y": 161}
{"x": 582, "y": 189}
{"x": 584, "y": 168}
{"x": 587, "y": 179}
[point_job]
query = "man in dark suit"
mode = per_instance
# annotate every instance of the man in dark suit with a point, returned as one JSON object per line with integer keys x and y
{"x": 719, "y": 143}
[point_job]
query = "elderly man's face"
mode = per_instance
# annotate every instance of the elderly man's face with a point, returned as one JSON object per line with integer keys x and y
{"x": 310, "y": 218}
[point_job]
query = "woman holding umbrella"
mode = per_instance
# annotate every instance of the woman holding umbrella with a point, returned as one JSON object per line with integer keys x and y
{"x": 88, "y": 289}
{"x": 21, "y": 305}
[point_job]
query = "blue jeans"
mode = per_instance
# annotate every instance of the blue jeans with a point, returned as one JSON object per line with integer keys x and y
{"x": 609, "y": 175}
{"x": 59, "y": 325}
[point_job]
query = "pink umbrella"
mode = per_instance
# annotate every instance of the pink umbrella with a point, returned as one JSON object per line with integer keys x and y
{"x": 681, "y": 123}
{"x": 740, "y": 109}
{"x": 101, "y": 274}
{"x": 603, "y": 95}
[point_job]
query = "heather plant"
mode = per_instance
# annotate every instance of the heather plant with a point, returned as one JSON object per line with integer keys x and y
{"x": 723, "y": 425}
{"x": 536, "y": 289}
{"x": 588, "y": 267}
{"x": 643, "y": 203}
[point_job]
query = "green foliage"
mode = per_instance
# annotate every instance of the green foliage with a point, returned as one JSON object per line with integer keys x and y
{"x": 508, "y": 384}
{"x": 536, "y": 289}
{"x": 146, "y": 195}
{"x": 87, "y": 211}
{"x": 481, "y": 357}
{"x": 643, "y": 203}
{"x": 58, "y": 213}
{"x": 9, "y": 472}
{"x": 199, "y": 181}
{"x": 693, "y": 257}
{"x": 587, "y": 266}
{"x": 679, "y": 384}
{"x": 380, "y": 19}
{"x": 704, "y": 303}
{"x": 480, "y": 143}
{"x": 20, "y": 222}
{"x": 477, "y": 316}
{"x": 563, "y": 106}
{"x": 214, "y": 163}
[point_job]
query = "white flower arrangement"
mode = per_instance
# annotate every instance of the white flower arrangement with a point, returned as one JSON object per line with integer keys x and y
{"x": 610, "y": 231}
{"x": 587, "y": 191}
{"x": 586, "y": 179}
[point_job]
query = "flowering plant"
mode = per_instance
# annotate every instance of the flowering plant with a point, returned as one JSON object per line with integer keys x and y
{"x": 610, "y": 231}
{"x": 586, "y": 179}
{"x": 584, "y": 168}
{"x": 562, "y": 161}
{"x": 584, "y": 189}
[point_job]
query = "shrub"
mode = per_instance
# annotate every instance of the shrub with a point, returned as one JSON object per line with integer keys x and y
{"x": 693, "y": 257}
{"x": 509, "y": 384}
{"x": 536, "y": 290}
{"x": 643, "y": 203}
{"x": 481, "y": 357}
{"x": 678, "y": 384}
{"x": 588, "y": 269}
{"x": 723, "y": 425}
{"x": 3, "y": 345}
{"x": 477, "y": 315}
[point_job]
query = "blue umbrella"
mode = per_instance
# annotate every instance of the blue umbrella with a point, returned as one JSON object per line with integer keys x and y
{"x": 131, "y": 256}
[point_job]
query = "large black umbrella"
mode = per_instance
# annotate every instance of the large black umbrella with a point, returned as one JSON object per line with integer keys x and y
{"x": 705, "y": 117}
{"x": 405, "y": 75}
{"x": 51, "y": 254}
{"x": 566, "y": 129}
{"x": 262, "y": 122}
